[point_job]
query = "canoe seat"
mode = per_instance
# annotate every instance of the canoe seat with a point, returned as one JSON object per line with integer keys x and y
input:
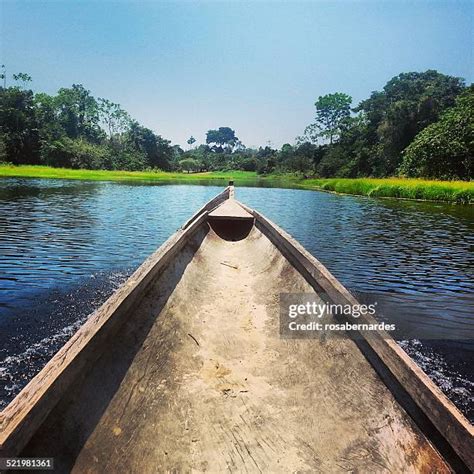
{"x": 230, "y": 221}
{"x": 229, "y": 209}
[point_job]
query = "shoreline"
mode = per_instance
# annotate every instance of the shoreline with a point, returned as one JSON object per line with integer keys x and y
{"x": 453, "y": 192}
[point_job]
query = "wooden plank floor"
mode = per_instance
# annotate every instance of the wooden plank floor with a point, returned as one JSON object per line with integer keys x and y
{"x": 199, "y": 380}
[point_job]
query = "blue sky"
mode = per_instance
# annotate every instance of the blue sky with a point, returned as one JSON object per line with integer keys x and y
{"x": 182, "y": 68}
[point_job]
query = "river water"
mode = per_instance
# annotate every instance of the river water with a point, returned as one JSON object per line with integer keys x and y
{"x": 66, "y": 245}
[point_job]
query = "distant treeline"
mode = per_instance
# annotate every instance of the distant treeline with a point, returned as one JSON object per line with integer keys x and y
{"x": 419, "y": 125}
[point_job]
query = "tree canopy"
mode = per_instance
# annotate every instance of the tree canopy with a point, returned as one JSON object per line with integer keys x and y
{"x": 419, "y": 124}
{"x": 331, "y": 112}
{"x": 74, "y": 129}
{"x": 222, "y": 139}
{"x": 444, "y": 149}
{"x": 408, "y": 103}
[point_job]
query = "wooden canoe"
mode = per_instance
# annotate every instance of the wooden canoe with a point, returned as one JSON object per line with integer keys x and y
{"x": 183, "y": 369}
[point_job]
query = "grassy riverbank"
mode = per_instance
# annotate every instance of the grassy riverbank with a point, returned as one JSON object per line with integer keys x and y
{"x": 460, "y": 192}
{"x": 103, "y": 175}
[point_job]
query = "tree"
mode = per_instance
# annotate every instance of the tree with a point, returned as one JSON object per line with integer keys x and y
{"x": 248, "y": 164}
{"x": 3, "y": 148}
{"x": 177, "y": 156}
{"x": 67, "y": 129}
{"x": 408, "y": 103}
{"x": 331, "y": 112}
{"x": 311, "y": 134}
{"x": 76, "y": 153}
{"x": 351, "y": 156}
{"x": 444, "y": 149}
{"x": 239, "y": 147}
{"x": 114, "y": 118}
{"x": 78, "y": 113}
{"x": 311, "y": 154}
{"x": 189, "y": 165}
{"x": 191, "y": 140}
{"x": 223, "y": 139}
{"x": 18, "y": 125}
{"x": 22, "y": 78}
{"x": 3, "y": 75}
{"x": 156, "y": 149}
{"x": 285, "y": 157}
{"x": 50, "y": 130}
{"x": 266, "y": 160}
{"x": 333, "y": 163}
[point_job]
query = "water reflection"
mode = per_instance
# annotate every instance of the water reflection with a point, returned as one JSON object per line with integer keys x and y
{"x": 65, "y": 245}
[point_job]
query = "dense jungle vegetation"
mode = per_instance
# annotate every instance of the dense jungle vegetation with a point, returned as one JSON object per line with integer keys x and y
{"x": 421, "y": 124}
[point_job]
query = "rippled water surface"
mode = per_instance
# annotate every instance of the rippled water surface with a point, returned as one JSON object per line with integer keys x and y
{"x": 66, "y": 245}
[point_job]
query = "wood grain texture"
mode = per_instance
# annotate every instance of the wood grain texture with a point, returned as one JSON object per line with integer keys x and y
{"x": 22, "y": 417}
{"x": 444, "y": 415}
{"x": 201, "y": 381}
{"x": 183, "y": 369}
{"x": 230, "y": 210}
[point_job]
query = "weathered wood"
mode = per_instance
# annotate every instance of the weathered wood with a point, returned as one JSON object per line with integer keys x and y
{"x": 230, "y": 210}
{"x": 202, "y": 381}
{"x": 22, "y": 417}
{"x": 444, "y": 415}
{"x": 213, "y": 203}
{"x": 207, "y": 351}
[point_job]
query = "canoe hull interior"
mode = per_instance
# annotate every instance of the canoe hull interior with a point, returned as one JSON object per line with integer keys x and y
{"x": 198, "y": 378}
{"x": 183, "y": 369}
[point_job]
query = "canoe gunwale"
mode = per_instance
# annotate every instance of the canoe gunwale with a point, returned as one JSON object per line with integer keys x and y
{"x": 25, "y": 414}
{"x": 228, "y": 193}
{"x": 29, "y": 409}
{"x": 453, "y": 426}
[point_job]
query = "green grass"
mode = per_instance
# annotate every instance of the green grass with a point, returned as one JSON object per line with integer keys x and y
{"x": 102, "y": 175}
{"x": 459, "y": 192}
